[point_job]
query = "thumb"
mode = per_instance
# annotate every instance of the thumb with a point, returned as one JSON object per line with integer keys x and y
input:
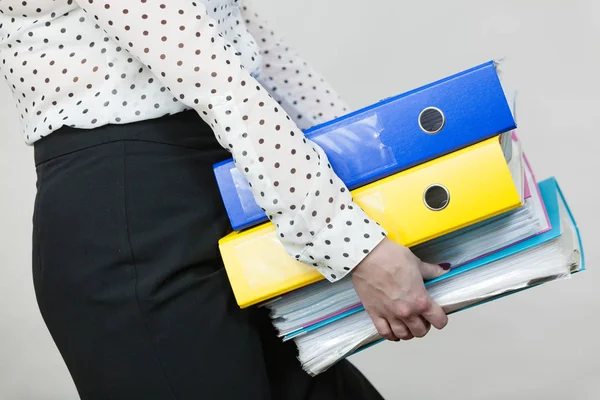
{"x": 432, "y": 271}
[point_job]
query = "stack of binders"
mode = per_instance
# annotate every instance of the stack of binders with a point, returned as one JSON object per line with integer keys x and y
{"x": 442, "y": 170}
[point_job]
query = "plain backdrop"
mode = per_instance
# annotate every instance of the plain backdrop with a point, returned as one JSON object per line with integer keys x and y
{"x": 540, "y": 344}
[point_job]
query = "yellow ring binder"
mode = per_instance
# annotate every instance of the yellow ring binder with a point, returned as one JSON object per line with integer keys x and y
{"x": 478, "y": 179}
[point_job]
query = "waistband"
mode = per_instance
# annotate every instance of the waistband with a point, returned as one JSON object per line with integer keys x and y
{"x": 185, "y": 129}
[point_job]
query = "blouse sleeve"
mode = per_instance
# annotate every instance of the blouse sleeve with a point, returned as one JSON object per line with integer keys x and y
{"x": 300, "y": 89}
{"x": 316, "y": 219}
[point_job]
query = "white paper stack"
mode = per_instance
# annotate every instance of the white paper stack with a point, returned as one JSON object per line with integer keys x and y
{"x": 328, "y": 323}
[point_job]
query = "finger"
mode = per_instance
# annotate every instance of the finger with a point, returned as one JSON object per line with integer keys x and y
{"x": 427, "y": 324}
{"x": 436, "y": 316}
{"x": 384, "y": 329}
{"x": 400, "y": 330}
{"x": 432, "y": 271}
{"x": 417, "y": 326}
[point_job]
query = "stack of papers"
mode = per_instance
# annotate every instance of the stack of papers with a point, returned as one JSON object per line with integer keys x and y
{"x": 328, "y": 323}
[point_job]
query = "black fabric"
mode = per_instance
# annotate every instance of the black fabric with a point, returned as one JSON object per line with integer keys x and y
{"x": 129, "y": 279}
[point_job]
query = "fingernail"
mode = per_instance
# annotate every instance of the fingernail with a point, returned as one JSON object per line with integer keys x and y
{"x": 445, "y": 266}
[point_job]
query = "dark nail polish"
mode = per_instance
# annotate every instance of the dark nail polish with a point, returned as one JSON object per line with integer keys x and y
{"x": 445, "y": 266}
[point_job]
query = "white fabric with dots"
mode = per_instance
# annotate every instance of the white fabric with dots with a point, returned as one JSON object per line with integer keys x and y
{"x": 86, "y": 63}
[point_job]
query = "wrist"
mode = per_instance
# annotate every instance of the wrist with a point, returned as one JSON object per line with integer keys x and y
{"x": 342, "y": 245}
{"x": 380, "y": 256}
{"x": 375, "y": 257}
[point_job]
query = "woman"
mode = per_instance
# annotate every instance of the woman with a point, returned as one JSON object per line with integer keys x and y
{"x": 128, "y": 104}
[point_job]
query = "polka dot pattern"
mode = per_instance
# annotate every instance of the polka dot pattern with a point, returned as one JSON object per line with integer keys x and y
{"x": 86, "y": 63}
{"x": 305, "y": 95}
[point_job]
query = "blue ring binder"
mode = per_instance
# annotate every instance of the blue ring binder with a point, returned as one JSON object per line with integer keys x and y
{"x": 386, "y": 137}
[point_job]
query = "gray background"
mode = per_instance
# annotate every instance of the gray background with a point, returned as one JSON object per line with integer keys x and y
{"x": 535, "y": 345}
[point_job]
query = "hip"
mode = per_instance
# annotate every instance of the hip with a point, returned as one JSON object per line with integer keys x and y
{"x": 137, "y": 194}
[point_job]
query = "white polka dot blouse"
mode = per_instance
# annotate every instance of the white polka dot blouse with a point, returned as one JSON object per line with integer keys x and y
{"x": 87, "y": 63}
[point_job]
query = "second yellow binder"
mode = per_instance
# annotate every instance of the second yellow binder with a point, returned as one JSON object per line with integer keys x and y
{"x": 414, "y": 206}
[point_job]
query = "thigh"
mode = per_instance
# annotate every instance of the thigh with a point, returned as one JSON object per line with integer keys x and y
{"x": 176, "y": 241}
{"x": 128, "y": 280}
{"x": 288, "y": 381}
{"x": 207, "y": 345}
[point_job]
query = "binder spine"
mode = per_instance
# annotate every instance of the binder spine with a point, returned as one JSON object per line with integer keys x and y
{"x": 393, "y": 135}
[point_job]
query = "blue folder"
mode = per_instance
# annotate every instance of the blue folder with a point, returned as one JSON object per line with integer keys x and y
{"x": 551, "y": 194}
{"x": 392, "y": 135}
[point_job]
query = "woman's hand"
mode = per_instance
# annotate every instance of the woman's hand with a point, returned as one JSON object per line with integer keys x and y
{"x": 390, "y": 284}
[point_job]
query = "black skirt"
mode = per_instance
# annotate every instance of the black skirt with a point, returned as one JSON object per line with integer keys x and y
{"x": 129, "y": 279}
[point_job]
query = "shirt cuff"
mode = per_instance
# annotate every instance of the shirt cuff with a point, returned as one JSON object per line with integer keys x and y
{"x": 343, "y": 243}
